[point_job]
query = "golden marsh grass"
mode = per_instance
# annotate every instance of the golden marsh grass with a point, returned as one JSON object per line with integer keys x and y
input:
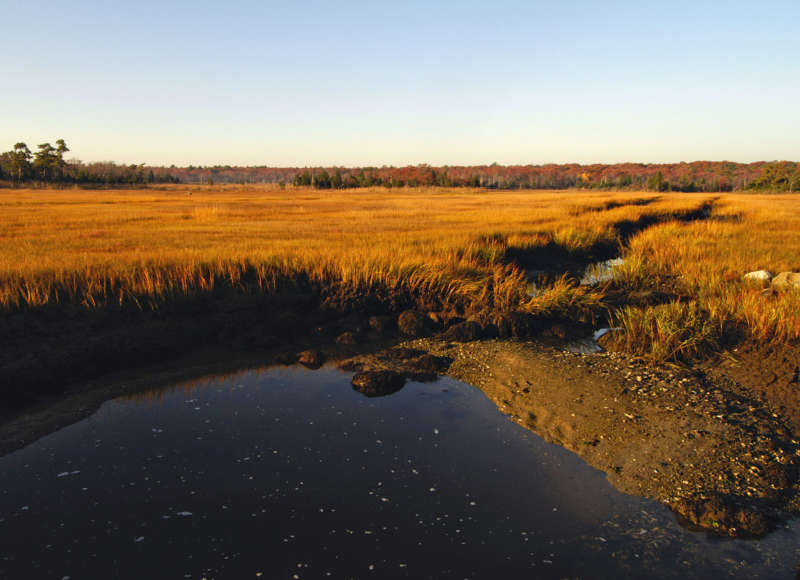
{"x": 99, "y": 249}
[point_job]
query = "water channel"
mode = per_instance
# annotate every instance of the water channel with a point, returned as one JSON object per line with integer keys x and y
{"x": 290, "y": 473}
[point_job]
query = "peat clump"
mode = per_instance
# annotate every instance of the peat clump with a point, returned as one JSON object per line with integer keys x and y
{"x": 312, "y": 359}
{"x": 382, "y": 323}
{"x": 348, "y": 338}
{"x": 517, "y": 325}
{"x": 464, "y": 332}
{"x": 413, "y": 323}
{"x": 400, "y": 353}
{"x": 724, "y": 515}
{"x": 410, "y": 363}
{"x": 566, "y": 331}
{"x": 377, "y": 383}
{"x": 425, "y": 368}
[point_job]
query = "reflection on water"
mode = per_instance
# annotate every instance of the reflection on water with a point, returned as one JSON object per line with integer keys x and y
{"x": 601, "y": 272}
{"x": 292, "y": 474}
{"x": 588, "y": 345}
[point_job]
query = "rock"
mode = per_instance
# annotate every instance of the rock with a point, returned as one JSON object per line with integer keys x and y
{"x": 761, "y": 277}
{"x": 377, "y": 383}
{"x": 786, "y": 280}
{"x": 347, "y": 338}
{"x": 464, "y": 332}
{"x": 412, "y": 323}
{"x": 381, "y": 323}
{"x": 313, "y": 359}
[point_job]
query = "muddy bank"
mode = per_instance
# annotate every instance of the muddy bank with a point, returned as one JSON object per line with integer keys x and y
{"x": 770, "y": 372}
{"x": 47, "y": 352}
{"x": 717, "y": 455}
{"x": 714, "y": 443}
{"x": 50, "y": 352}
{"x": 57, "y": 366}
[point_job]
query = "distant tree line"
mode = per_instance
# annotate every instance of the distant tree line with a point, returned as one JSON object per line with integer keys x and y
{"x": 47, "y": 166}
{"x": 699, "y": 176}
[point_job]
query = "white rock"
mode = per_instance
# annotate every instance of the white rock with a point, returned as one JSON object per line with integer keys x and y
{"x": 761, "y": 276}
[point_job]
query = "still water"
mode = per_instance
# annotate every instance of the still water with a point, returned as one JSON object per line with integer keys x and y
{"x": 289, "y": 473}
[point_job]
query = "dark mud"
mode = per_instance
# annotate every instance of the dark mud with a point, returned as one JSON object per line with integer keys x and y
{"x": 770, "y": 372}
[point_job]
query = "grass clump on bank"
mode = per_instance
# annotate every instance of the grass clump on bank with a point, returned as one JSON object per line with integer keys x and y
{"x": 704, "y": 262}
{"x": 675, "y": 331}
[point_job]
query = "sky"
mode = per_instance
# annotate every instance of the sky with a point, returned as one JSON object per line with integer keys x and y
{"x": 350, "y": 82}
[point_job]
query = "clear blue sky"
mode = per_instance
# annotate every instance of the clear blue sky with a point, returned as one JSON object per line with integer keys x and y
{"x": 301, "y": 82}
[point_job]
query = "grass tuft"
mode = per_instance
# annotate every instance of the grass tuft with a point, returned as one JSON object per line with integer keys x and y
{"x": 675, "y": 331}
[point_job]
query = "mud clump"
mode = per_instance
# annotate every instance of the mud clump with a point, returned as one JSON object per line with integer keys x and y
{"x": 347, "y": 338}
{"x": 403, "y": 353}
{"x": 564, "y": 331}
{"x": 724, "y": 516}
{"x": 425, "y": 368}
{"x": 377, "y": 383}
{"x": 410, "y": 363}
{"x": 430, "y": 363}
{"x": 312, "y": 359}
{"x": 286, "y": 358}
{"x": 413, "y": 323}
{"x": 382, "y": 324}
{"x": 516, "y": 325}
{"x": 464, "y": 332}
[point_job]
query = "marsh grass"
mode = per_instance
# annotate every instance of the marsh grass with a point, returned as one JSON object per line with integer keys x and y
{"x": 675, "y": 331}
{"x": 100, "y": 249}
{"x": 144, "y": 250}
{"x": 707, "y": 259}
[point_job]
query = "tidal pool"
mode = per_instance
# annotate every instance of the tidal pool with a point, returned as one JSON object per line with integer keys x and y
{"x": 289, "y": 473}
